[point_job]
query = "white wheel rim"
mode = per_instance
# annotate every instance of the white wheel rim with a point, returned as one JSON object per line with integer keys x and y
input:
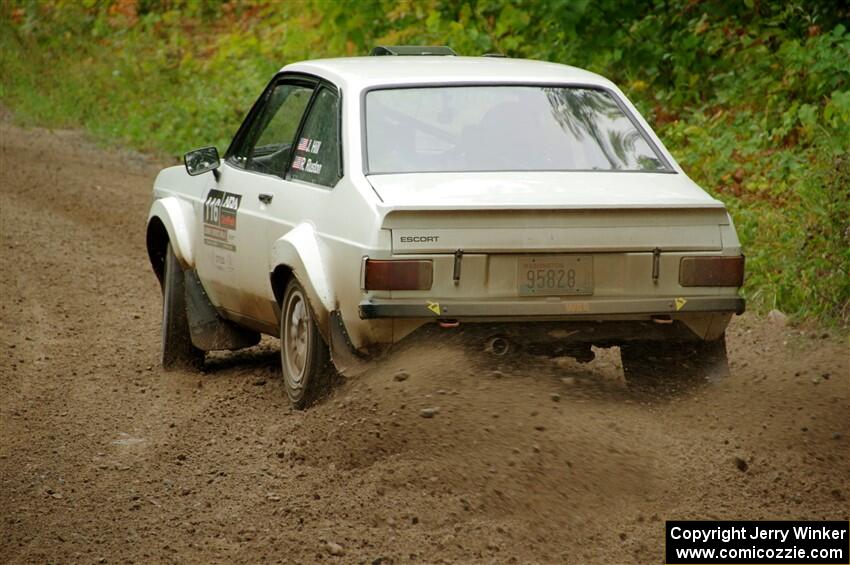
{"x": 296, "y": 337}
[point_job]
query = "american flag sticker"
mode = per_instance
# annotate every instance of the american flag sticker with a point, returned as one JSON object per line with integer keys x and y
{"x": 298, "y": 163}
{"x": 303, "y": 144}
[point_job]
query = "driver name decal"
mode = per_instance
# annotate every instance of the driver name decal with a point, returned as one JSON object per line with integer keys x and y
{"x": 305, "y": 163}
{"x": 220, "y": 219}
{"x": 309, "y": 145}
{"x": 301, "y": 163}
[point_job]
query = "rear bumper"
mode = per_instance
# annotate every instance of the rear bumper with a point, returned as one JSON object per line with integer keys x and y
{"x": 506, "y": 310}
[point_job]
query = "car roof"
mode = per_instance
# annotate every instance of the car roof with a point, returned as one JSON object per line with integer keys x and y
{"x": 360, "y": 73}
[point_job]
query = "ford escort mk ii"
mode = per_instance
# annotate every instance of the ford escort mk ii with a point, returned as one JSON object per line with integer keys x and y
{"x": 363, "y": 198}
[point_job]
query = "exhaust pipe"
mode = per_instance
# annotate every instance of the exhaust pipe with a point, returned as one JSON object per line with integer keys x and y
{"x": 498, "y": 345}
{"x": 584, "y": 355}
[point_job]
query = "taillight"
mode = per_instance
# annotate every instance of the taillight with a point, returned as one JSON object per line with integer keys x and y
{"x": 403, "y": 274}
{"x": 711, "y": 271}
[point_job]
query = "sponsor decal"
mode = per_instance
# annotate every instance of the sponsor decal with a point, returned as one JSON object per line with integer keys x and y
{"x": 220, "y": 210}
{"x": 220, "y": 244}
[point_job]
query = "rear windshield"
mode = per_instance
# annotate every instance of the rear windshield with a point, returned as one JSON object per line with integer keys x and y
{"x": 503, "y": 128}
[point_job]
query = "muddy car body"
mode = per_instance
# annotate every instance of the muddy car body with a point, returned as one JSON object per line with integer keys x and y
{"x": 388, "y": 193}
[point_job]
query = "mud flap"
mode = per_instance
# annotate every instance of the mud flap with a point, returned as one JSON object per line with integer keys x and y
{"x": 208, "y": 330}
{"x": 346, "y": 359}
{"x": 715, "y": 361}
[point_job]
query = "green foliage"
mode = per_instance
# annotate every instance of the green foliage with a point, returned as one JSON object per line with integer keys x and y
{"x": 753, "y": 97}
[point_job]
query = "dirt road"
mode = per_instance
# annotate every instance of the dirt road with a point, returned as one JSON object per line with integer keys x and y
{"x": 106, "y": 459}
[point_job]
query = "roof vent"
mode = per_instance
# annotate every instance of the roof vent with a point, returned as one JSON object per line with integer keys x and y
{"x": 381, "y": 50}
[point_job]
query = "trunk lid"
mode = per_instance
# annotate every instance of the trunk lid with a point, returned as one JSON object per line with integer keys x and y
{"x": 520, "y": 212}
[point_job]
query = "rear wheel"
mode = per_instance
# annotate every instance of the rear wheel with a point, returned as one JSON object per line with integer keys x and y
{"x": 304, "y": 356}
{"x": 177, "y": 350}
{"x": 673, "y": 367}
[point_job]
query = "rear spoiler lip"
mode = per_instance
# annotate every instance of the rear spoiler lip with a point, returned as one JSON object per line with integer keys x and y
{"x": 389, "y": 208}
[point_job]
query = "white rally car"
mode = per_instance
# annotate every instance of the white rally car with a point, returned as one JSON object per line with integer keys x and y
{"x": 365, "y": 197}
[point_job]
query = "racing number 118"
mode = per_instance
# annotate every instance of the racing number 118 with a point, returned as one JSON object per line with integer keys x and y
{"x": 212, "y": 208}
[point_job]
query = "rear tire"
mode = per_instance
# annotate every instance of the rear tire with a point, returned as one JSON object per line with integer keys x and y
{"x": 673, "y": 367}
{"x": 177, "y": 350}
{"x": 304, "y": 356}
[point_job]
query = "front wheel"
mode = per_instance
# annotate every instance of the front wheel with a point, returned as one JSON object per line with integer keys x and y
{"x": 673, "y": 367}
{"x": 304, "y": 356}
{"x": 177, "y": 350}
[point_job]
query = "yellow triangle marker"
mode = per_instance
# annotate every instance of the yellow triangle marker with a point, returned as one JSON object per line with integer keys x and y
{"x": 680, "y": 303}
{"x": 434, "y": 307}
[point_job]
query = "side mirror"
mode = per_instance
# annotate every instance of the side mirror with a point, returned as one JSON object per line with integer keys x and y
{"x": 202, "y": 160}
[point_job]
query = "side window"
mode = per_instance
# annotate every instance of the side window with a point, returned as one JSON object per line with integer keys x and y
{"x": 270, "y": 141}
{"x": 317, "y": 153}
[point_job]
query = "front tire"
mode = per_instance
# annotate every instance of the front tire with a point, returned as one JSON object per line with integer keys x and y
{"x": 673, "y": 367}
{"x": 304, "y": 356}
{"x": 177, "y": 351}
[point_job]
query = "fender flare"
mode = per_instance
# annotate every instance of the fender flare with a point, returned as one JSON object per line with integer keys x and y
{"x": 301, "y": 251}
{"x": 178, "y": 218}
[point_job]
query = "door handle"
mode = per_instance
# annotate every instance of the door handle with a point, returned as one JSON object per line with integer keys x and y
{"x": 265, "y": 198}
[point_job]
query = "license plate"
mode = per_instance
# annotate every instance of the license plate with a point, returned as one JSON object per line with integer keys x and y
{"x": 555, "y": 275}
